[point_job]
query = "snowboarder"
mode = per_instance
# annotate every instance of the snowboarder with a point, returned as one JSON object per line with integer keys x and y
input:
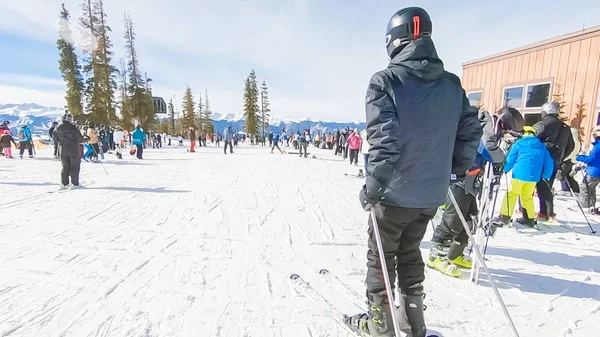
{"x": 415, "y": 145}
{"x": 138, "y": 138}
{"x": 227, "y": 135}
{"x": 449, "y": 238}
{"x": 557, "y": 137}
{"x": 354, "y": 146}
{"x": 25, "y": 141}
{"x": 5, "y": 140}
{"x": 69, "y": 138}
{"x": 529, "y": 159}
{"x": 592, "y": 173}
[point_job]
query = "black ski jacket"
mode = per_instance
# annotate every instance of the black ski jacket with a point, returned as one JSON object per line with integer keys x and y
{"x": 420, "y": 128}
{"x": 557, "y": 137}
{"x": 69, "y": 138}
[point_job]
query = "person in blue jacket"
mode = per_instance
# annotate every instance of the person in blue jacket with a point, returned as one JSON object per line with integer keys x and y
{"x": 227, "y": 135}
{"x": 25, "y": 141}
{"x": 138, "y": 138}
{"x": 592, "y": 173}
{"x": 275, "y": 142}
{"x": 529, "y": 159}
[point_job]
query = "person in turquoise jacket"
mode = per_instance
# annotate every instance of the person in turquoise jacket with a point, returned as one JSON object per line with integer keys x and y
{"x": 529, "y": 160}
{"x": 138, "y": 138}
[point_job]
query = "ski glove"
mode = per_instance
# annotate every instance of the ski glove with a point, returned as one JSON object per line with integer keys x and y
{"x": 371, "y": 193}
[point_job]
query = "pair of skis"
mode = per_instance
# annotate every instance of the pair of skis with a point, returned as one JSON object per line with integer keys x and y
{"x": 303, "y": 288}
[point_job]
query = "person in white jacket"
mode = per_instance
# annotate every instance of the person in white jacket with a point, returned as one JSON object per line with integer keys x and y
{"x": 566, "y": 167}
{"x": 364, "y": 148}
{"x": 119, "y": 142}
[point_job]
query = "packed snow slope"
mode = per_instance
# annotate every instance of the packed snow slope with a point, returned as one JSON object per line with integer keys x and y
{"x": 203, "y": 244}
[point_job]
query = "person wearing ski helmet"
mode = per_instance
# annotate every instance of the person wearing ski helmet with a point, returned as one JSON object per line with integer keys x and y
{"x": 420, "y": 129}
{"x": 557, "y": 137}
{"x": 69, "y": 138}
{"x": 449, "y": 237}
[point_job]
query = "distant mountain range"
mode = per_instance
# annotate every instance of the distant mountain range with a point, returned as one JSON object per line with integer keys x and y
{"x": 40, "y": 118}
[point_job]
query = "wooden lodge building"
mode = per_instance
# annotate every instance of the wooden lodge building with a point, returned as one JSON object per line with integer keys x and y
{"x": 565, "y": 68}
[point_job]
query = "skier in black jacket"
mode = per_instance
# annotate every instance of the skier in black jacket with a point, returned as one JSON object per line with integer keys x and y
{"x": 69, "y": 139}
{"x": 558, "y": 139}
{"x": 421, "y": 129}
{"x": 51, "y": 134}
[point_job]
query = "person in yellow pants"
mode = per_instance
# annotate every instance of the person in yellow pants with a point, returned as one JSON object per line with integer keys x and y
{"x": 529, "y": 161}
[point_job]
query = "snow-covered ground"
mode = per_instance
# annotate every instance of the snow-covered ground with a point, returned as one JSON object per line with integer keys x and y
{"x": 203, "y": 244}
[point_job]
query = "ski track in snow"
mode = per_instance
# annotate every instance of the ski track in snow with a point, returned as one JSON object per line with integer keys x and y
{"x": 202, "y": 244}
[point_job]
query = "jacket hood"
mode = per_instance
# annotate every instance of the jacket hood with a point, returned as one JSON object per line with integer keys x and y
{"x": 532, "y": 142}
{"x": 420, "y": 60}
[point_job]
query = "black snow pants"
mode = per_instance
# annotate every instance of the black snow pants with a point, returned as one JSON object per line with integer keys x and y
{"x": 70, "y": 168}
{"x": 354, "y": 156}
{"x": 140, "y": 151}
{"x": 228, "y": 142}
{"x": 402, "y": 230}
{"x": 545, "y": 194}
{"x": 23, "y": 146}
{"x": 451, "y": 228}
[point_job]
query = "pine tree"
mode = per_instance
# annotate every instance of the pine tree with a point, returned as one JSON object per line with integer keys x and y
{"x": 200, "y": 114}
{"x": 188, "y": 106}
{"x": 579, "y": 116}
{"x": 101, "y": 83}
{"x": 69, "y": 66}
{"x": 171, "y": 108}
{"x": 265, "y": 107}
{"x": 139, "y": 105}
{"x": 251, "y": 109}
{"x": 209, "y": 127}
{"x": 559, "y": 97}
{"x": 126, "y": 116}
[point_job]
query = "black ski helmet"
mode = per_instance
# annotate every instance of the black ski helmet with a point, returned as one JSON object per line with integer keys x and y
{"x": 406, "y": 25}
{"x": 510, "y": 119}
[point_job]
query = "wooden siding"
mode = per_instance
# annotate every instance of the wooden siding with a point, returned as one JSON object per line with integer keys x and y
{"x": 573, "y": 61}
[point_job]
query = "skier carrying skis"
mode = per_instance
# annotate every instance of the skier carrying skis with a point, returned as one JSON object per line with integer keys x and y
{"x": 51, "y": 134}
{"x": 69, "y": 138}
{"x": 415, "y": 144}
{"x": 529, "y": 160}
{"x": 449, "y": 238}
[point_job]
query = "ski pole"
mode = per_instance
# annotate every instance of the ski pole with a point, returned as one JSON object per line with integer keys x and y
{"x": 484, "y": 265}
{"x": 579, "y": 205}
{"x": 569, "y": 221}
{"x": 386, "y": 277}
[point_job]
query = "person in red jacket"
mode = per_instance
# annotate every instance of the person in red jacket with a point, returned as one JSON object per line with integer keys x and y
{"x": 354, "y": 145}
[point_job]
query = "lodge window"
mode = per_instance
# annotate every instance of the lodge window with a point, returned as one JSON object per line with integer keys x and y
{"x": 513, "y": 97}
{"x": 474, "y": 99}
{"x": 537, "y": 95}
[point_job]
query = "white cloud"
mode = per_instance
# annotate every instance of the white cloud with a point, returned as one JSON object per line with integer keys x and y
{"x": 16, "y": 94}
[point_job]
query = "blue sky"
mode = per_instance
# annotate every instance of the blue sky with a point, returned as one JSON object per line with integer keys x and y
{"x": 317, "y": 56}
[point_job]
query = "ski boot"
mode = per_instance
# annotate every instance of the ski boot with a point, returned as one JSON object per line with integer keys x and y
{"x": 361, "y": 174}
{"x": 377, "y": 322}
{"x": 411, "y": 311}
{"x": 531, "y": 223}
{"x": 438, "y": 259}
{"x": 456, "y": 249}
{"x": 64, "y": 187}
